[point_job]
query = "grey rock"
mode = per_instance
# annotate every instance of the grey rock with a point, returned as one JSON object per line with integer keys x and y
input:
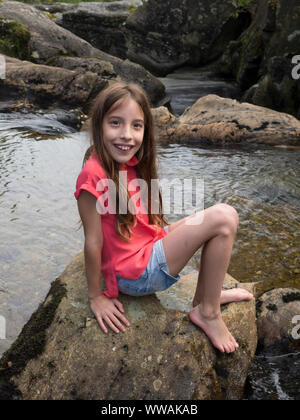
{"x": 62, "y": 353}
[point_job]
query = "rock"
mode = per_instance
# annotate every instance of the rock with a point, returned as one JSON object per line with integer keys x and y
{"x": 101, "y": 24}
{"x": 166, "y": 34}
{"x": 47, "y": 86}
{"x": 49, "y": 41}
{"x": 263, "y": 54}
{"x": 104, "y": 69}
{"x": 54, "y": 8}
{"x": 46, "y": 38}
{"x": 62, "y": 353}
{"x": 165, "y": 122}
{"x": 278, "y": 314}
{"x": 277, "y": 90}
{"x": 14, "y": 39}
{"x": 219, "y": 120}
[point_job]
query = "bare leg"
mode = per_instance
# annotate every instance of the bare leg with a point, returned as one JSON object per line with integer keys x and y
{"x": 216, "y": 232}
{"x": 227, "y": 296}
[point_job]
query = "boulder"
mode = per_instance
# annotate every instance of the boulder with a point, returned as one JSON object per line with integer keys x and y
{"x": 261, "y": 58}
{"x": 47, "y": 86}
{"x": 217, "y": 120}
{"x": 101, "y": 24}
{"x": 278, "y": 314}
{"x": 48, "y": 41}
{"x": 166, "y": 34}
{"x": 277, "y": 89}
{"x": 62, "y": 353}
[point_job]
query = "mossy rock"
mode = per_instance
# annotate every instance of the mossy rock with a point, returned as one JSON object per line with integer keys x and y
{"x": 15, "y": 359}
{"x": 242, "y": 58}
{"x": 14, "y": 39}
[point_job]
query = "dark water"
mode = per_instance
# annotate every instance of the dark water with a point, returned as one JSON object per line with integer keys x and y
{"x": 184, "y": 86}
{"x": 274, "y": 377}
{"x": 40, "y": 159}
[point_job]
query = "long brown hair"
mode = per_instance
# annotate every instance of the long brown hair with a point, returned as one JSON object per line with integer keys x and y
{"x": 147, "y": 156}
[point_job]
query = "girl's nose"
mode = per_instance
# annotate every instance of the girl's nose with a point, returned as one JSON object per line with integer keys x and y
{"x": 126, "y": 133}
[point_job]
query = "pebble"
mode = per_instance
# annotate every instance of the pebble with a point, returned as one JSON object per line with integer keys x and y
{"x": 157, "y": 384}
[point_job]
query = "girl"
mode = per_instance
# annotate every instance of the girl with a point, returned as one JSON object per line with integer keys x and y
{"x": 136, "y": 251}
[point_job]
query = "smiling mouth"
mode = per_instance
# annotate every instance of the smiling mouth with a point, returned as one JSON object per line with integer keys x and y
{"x": 123, "y": 148}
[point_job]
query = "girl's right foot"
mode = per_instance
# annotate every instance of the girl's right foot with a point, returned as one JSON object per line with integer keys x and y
{"x": 215, "y": 328}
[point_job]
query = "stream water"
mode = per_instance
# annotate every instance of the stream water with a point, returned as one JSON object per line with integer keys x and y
{"x": 40, "y": 159}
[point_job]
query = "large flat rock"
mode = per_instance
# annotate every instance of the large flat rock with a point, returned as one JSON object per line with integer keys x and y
{"x": 62, "y": 353}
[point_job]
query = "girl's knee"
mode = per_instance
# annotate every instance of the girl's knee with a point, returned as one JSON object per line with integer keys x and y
{"x": 228, "y": 217}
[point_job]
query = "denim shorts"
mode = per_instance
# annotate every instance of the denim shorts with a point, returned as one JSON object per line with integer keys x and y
{"x": 156, "y": 276}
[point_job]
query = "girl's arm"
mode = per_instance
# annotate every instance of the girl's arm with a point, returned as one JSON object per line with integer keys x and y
{"x": 93, "y": 241}
{"x": 103, "y": 308}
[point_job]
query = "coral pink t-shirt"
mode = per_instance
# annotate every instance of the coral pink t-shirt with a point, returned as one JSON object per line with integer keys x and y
{"x": 127, "y": 259}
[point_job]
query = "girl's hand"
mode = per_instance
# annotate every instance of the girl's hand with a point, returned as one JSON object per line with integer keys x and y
{"x": 108, "y": 311}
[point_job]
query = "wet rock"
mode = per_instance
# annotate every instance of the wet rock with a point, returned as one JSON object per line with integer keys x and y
{"x": 278, "y": 314}
{"x": 217, "y": 120}
{"x": 62, "y": 353}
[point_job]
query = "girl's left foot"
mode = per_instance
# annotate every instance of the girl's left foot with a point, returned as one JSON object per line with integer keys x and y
{"x": 232, "y": 295}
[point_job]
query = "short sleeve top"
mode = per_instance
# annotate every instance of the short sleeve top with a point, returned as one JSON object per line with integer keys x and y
{"x": 127, "y": 259}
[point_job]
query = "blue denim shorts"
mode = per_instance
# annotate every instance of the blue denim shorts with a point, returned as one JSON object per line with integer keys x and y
{"x": 156, "y": 276}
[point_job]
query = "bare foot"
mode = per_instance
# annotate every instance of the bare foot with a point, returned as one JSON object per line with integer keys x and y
{"x": 235, "y": 295}
{"x": 215, "y": 328}
{"x": 231, "y": 295}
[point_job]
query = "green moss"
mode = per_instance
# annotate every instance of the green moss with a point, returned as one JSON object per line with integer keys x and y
{"x": 31, "y": 342}
{"x": 50, "y": 15}
{"x": 132, "y": 8}
{"x": 14, "y": 39}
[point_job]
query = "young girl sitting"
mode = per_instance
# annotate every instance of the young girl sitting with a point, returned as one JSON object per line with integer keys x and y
{"x": 134, "y": 248}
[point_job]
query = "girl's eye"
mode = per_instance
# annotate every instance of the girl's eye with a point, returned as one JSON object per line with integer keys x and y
{"x": 138, "y": 125}
{"x": 114, "y": 122}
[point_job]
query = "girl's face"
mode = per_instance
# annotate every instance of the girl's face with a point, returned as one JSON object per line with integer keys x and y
{"x": 123, "y": 129}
